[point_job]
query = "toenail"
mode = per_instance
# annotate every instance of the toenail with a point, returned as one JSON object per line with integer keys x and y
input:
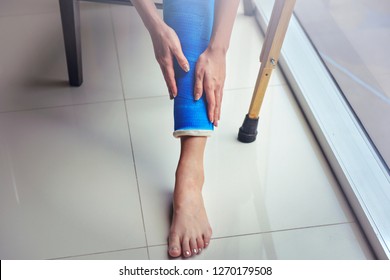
{"x": 173, "y": 249}
{"x": 200, "y": 250}
{"x": 195, "y": 251}
{"x": 187, "y": 253}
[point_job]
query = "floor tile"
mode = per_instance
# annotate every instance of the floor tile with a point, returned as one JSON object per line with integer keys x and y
{"x": 336, "y": 242}
{"x": 243, "y": 57}
{"x": 34, "y": 74}
{"x": 133, "y": 254}
{"x": 156, "y": 152}
{"x": 68, "y": 183}
{"x": 140, "y": 71}
{"x": 280, "y": 181}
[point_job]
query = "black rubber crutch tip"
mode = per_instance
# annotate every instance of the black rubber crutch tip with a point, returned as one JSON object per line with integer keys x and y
{"x": 248, "y": 130}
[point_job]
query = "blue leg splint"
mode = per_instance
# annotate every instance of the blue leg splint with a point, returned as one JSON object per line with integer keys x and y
{"x": 192, "y": 21}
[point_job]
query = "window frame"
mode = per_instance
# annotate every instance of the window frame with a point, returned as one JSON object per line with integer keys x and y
{"x": 361, "y": 172}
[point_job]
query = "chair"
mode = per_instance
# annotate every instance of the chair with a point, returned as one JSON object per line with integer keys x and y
{"x": 70, "y": 17}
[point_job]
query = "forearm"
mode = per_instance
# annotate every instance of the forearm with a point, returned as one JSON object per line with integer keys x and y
{"x": 148, "y": 13}
{"x": 224, "y": 16}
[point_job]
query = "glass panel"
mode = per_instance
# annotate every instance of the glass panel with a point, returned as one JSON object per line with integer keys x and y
{"x": 353, "y": 39}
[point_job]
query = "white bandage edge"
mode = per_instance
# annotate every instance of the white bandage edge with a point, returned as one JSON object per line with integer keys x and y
{"x": 181, "y": 133}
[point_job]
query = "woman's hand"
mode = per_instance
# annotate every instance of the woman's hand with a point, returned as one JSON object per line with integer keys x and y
{"x": 167, "y": 47}
{"x": 210, "y": 76}
{"x": 211, "y": 65}
{"x": 166, "y": 44}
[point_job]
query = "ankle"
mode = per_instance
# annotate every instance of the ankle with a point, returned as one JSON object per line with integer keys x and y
{"x": 191, "y": 174}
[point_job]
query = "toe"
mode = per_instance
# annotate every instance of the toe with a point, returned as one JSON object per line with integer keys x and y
{"x": 186, "y": 248}
{"x": 200, "y": 243}
{"x": 194, "y": 246}
{"x": 206, "y": 239}
{"x": 174, "y": 248}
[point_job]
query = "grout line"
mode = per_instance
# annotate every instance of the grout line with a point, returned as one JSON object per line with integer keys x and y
{"x": 60, "y": 106}
{"x": 271, "y": 231}
{"x": 129, "y": 130}
{"x": 232, "y": 90}
{"x": 44, "y": 107}
{"x": 284, "y": 230}
{"x": 30, "y": 14}
{"x": 117, "y": 100}
{"x": 99, "y": 253}
{"x": 147, "y": 97}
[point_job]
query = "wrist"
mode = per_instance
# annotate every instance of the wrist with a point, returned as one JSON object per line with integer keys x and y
{"x": 154, "y": 24}
{"x": 218, "y": 48}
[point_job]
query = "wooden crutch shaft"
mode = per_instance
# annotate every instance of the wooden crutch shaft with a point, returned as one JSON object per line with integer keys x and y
{"x": 270, "y": 52}
{"x": 259, "y": 92}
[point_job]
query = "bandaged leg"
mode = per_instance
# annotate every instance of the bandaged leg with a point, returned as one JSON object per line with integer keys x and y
{"x": 192, "y": 21}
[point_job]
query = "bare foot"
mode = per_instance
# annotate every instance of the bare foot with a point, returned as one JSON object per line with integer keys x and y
{"x": 190, "y": 230}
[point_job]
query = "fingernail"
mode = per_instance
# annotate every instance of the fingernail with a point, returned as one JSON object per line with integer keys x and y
{"x": 197, "y": 96}
{"x": 186, "y": 68}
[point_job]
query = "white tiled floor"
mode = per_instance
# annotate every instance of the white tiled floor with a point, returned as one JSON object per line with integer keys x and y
{"x": 87, "y": 173}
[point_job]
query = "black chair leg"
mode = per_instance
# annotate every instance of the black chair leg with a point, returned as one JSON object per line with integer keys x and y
{"x": 248, "y": 7}
{"x": 70, "y": 17}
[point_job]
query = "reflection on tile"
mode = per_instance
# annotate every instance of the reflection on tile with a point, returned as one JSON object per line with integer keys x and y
{"x": 243, "y": 59}
{"x": 133, "y": 254}
{"x": 281, "y": 181}
{"x": 34, "y": 74}
{"x": 156, "y": 153}
{"x": 283, "y": 178}
{"x": 68, "y": 183}
{"x": 140, "y": 71}
{"x": 335, "y": 242}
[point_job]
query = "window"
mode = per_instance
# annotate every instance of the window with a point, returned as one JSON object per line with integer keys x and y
{"x": 352, "y": 155}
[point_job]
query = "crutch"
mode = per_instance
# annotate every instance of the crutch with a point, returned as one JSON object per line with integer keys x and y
{"x": 276, "y": 31}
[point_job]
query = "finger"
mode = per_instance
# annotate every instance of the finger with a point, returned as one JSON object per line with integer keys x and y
{"x": 210, "y": 97}
{"x": 218, "y": 106}
{"x": 198, "y": 88}
{"x": 169, "y": 77}
{"x": 180, "y": 57}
